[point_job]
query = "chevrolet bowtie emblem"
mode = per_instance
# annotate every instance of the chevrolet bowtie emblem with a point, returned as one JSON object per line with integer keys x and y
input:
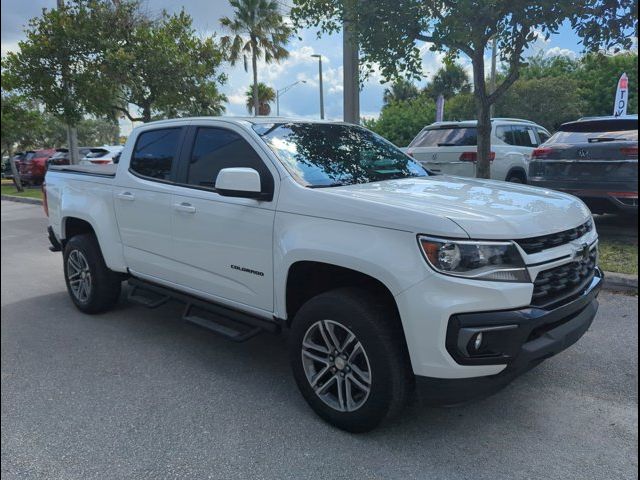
{"x": 583, "y": 251}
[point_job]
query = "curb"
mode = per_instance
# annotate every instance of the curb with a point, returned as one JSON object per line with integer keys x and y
{"x": 12, "y": 198}
{"x": 620, "y": 282}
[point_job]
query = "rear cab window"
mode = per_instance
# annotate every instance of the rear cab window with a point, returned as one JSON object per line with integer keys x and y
{"x": 155, "y": 153}
{"x": 446, "y": 136}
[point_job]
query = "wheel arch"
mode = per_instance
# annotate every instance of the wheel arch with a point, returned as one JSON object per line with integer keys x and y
{"x": 308, "y": 278}
{"x": 517, "y": 171}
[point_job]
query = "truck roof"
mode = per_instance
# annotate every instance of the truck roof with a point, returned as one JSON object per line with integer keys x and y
{"x": 242, "y": 120}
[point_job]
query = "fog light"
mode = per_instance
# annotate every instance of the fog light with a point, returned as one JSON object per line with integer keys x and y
{"x": 478, "y": 341}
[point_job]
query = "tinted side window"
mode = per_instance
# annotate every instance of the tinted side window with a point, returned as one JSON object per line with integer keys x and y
{"x": 524, "y": 136}
{"x": 155, "y": 152}
{"x": 544, "y": 136}
{"x": 218, "y": 148}
{"x": 504, "y": 133}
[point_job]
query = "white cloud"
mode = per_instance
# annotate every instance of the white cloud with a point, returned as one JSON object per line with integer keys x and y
{"x": 561, "y": 52}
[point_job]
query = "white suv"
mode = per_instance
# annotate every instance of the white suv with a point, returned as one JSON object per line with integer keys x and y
{"x": 451, "y": 148}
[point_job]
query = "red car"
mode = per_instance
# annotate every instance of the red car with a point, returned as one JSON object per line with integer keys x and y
{"x": 33, "y": 166}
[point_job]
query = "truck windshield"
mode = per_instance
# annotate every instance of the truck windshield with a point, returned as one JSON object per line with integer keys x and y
{"x": 328, "y": 155}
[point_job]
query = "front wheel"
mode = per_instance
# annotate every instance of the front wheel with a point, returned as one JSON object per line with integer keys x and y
{"x": 93, "y": 288}
{"x": 349, "y": 359}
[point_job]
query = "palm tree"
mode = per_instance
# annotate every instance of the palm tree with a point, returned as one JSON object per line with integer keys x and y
{"x": 400, "y": 90}
{"x": 257, "y": 29}
{"x": 266, "y": 95}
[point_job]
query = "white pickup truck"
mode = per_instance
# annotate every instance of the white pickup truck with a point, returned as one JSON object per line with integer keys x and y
{"x": 382, "y": 273}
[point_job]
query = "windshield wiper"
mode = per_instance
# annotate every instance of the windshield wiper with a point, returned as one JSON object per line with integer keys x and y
{"x": 604, "y": 139}
{"x": 328, "y": 185}
{"x": 446, "y": 144}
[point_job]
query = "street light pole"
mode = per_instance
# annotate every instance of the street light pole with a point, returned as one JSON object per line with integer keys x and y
{"x": 319, "y": 57}
{"x": 282, "y": 91}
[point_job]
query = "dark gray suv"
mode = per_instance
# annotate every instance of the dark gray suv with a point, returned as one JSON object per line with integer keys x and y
{"x": 595, "y": 159}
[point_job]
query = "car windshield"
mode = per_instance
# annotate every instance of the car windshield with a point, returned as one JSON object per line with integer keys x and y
{"x": 326, "y": 155}
{"x": 446, "y": 137}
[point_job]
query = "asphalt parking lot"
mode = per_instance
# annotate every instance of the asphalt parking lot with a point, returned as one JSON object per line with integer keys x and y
{"x": 136, "y": 393}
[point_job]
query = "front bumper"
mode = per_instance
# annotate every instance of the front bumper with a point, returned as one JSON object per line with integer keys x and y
{"x": 533, "y": 335}
{"x": 521, "y": 338}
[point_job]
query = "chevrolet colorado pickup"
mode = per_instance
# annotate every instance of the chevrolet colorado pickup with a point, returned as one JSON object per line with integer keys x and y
{"x": 382, "y": 272}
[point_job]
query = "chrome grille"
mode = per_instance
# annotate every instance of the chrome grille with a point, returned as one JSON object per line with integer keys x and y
{"x": 538, "y": 244}
{"x": 560, "y": 283}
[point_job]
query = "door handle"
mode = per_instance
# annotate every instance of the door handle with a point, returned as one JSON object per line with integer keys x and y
{"x": 184, "y": 207}
{"x": 126, "y": 196}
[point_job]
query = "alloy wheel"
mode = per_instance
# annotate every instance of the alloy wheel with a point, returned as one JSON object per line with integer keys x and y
{"x": 336, "y": 365}
{"x": 79, "y": 275}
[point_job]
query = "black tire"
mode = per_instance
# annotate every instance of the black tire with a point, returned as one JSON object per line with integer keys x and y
{"x": 516, "y": 177}
{"x": 375, "y": 326}
{"x": 105, "y": 284}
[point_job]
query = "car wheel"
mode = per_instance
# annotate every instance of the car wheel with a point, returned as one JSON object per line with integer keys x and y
{"x": 349, "y": 359}
{"x": 93, "y": 288}
{"x": 516, "y": 178}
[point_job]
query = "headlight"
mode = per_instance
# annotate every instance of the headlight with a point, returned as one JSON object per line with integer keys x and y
{"x": 497, "y": 261}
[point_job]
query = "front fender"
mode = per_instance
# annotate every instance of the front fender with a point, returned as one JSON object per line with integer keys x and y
{"x": 390, "y": 256}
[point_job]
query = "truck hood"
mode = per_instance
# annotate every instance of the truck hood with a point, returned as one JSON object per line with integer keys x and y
{"x": 484, "y": 209}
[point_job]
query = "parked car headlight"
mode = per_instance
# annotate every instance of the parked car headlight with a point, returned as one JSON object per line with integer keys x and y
{"x": 497, "y": 261}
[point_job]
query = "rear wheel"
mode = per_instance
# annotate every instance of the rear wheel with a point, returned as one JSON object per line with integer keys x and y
{"x": 349, "y": 359}
{"x": 516, "y": 177}
{"x": 93, "y": 288}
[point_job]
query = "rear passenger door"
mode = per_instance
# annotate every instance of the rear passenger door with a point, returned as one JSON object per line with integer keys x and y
{"x": 142, "y": 200}
{"x": 520, "y": 141}
{"x": 224, "y": 245}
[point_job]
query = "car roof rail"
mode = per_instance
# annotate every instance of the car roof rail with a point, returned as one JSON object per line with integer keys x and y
{"x": 518, "y": 120}
{"x": 609, "y": 117}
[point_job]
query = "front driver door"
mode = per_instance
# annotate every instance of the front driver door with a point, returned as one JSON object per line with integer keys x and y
{"x": 224, "y": 244}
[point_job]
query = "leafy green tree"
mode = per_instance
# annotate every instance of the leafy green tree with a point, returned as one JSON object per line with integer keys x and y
{"x": 21, "y": 124}
{"x": 93, "y": 132}
{"x": 541, "y": 66}
{"x": 266, "y": 95}
{"x": 460, "y": 107}
{"x": 449, "y": 80}
{"x": 548, "y": 101}
{"x": 165, "y": 70}
{"x": 598, "y": 76}
{"x": 400, "y": 122}
{"x": 401, "y": 90}
{"x": 58, "y": 61}
{"x": 257, "y": 29}
{"x": 389, "y": 31}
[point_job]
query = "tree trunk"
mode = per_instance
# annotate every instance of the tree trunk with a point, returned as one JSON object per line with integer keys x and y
{"x": 254, "y": 66}
{"x": 483, "y": 165}
{"x": 15, "y": 173}
{"x": 146, "y": 113}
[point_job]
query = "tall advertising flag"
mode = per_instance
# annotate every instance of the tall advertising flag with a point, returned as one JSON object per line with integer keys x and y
{"x": 622, "y": 97}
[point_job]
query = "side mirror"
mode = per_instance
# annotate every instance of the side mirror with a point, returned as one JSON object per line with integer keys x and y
{"x": 240, "y": 182}
{"x": 116, "y": 157}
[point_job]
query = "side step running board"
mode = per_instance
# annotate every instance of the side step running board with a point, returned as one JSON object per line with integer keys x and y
{"x": 233, "y": 324}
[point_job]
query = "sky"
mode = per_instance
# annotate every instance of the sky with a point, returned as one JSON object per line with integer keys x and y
{"x": 301, "y": 100}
